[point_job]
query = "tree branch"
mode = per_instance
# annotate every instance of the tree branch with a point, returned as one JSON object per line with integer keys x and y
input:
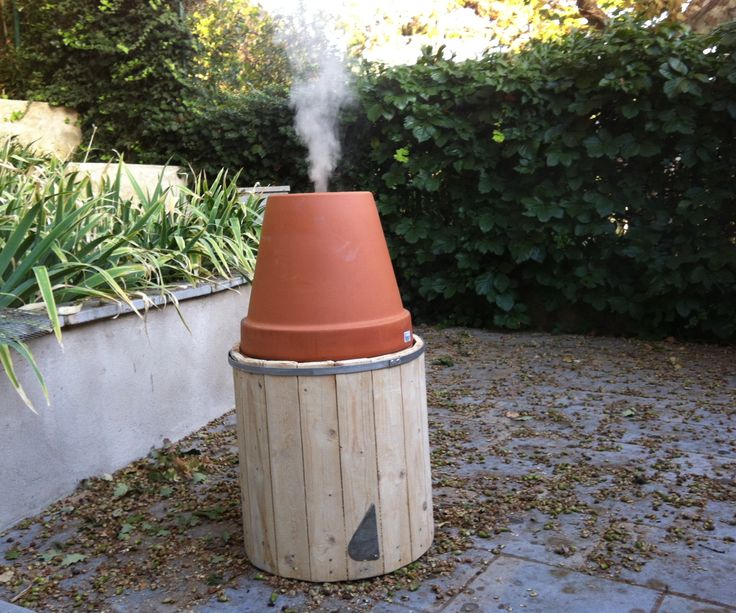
{"x": 5, "y": 36}
{"x": 704, "y": 15}
{"x": 593, "y": 13}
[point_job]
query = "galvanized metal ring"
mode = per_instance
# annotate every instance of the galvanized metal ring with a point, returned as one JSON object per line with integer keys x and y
{"x": 343, "y": 369}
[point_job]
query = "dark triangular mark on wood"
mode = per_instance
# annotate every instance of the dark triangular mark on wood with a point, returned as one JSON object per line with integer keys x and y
{"x": 364, "y": 544}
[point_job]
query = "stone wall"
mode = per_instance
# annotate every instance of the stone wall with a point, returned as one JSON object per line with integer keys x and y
{"x": 47, "y": 129}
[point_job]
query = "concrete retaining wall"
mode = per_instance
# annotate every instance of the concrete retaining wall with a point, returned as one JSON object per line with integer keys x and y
{"x": 119, "y": 387}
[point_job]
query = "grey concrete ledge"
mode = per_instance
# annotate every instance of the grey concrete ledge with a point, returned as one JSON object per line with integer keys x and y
{"x": 186, "y": 292}
{"x": 266, "y": 190}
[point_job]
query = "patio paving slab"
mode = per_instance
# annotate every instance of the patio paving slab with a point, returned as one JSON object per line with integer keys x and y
{"x": 511, "y": 584}
{"x": 694, "y": 571}
{"x": 570, "y": 474}
{"x": 674, "y": 604}
{"x": 6, "y": 607}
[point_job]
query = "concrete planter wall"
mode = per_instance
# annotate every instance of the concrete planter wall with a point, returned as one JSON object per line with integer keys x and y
{"x": 119, "y": 387}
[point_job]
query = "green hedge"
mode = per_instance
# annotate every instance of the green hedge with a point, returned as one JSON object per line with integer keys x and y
{"x": 578, "y": 185}
{"x": 124, "y": 65}
{"x": 582, "y": 185}
{"x": 252, "y": 133}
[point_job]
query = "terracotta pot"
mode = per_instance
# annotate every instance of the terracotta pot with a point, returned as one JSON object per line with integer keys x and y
{"x": 324, "y": 287}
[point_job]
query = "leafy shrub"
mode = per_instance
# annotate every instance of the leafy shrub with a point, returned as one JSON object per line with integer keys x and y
{"x": 237, "y": 49}
{"x": 62, "y": 241}
{"x": 126, "y": 66}
{"x": 583, "y": 184}
{"x": 253, "y": 134}
{"x": 149, "y": 81}
{"x": 580, "y": 184}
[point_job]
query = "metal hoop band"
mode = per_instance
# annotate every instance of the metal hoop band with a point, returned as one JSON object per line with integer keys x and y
{"x": 327, "y": 370}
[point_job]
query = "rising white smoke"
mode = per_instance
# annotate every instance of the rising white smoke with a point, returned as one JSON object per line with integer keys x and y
{"x": 317, "y": 102}
{"x": 321, "y": 85}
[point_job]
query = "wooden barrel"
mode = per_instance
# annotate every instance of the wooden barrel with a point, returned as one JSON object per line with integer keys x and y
{"x": 334, "y": 464}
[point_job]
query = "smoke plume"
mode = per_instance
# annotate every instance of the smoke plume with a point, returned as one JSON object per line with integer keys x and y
{"x": 321, "y": 86}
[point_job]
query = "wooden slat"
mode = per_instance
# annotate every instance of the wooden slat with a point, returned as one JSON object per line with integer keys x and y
{"x": 240, "y": 409}
{"x": 323, "y": 481}
{"x": 287, "y": 476}
{"x": 358, "y": 461}
{"x": 426, "y": 451}
{"x": 417, "y": 456}
{"x": 258, "y": 479}
{"x": 425, "y": 441}
{"x": 242, "y": 359}
{"x": 392, "y": 482}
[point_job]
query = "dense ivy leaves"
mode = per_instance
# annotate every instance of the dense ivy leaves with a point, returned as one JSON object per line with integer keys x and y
{"x": 135, "y": 72}
{"x": 254, "y": 133}
{"x": 124, "y": 65}
{"x": 581, "y": 185}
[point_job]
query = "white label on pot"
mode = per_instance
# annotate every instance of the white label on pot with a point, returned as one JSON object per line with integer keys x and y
{"x": 407, "y": 336}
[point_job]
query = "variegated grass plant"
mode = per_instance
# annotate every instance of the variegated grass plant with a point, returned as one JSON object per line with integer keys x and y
{"x": 64, "y": 240}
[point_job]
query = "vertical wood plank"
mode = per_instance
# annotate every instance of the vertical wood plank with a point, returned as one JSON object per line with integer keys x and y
{"x": 322, "y": 478}
{"x": 391, "y": 457}
{"x": 417, "y": 456}
{"x": 258, "y": 463}
{"x": 426, "y": 451}
{"x": 358, "y": 462}
{"x": 287, "y": 476}
{"x": 240, "y": 410}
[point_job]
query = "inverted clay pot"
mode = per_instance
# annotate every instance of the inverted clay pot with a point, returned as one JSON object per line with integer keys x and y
{"x": 324, "y": 286}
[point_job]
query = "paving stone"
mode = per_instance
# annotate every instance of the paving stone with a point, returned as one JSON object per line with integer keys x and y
{"x": 149, "y": 601}
{"x": 689, "y": 570}
{"x": 528, "y": 538}
{"x": 493, "y": 465}
{"x": 424, "y": 598}
{"x": 82, "y": 581}
{"x": 390, "y": 607}
{"x": 724, "y": 524}
{"x": 336, "y": 605}
{"x": 674, "y": 604}
{"x": 516, "y": 585}
{"x": 19, "y": 538}
{"x": 648, "y": 448}
{"x": 6, "y": 607}
{"x": 251, "y": 596}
